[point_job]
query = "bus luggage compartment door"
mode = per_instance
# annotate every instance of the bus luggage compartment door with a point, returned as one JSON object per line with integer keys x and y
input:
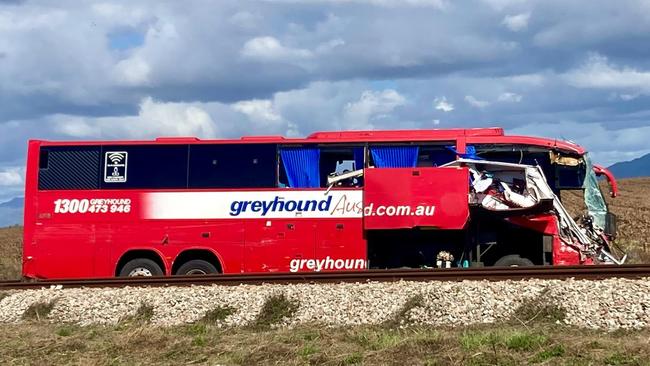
{"x": 401, "y": 198}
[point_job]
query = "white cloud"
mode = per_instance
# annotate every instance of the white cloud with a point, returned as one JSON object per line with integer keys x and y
{"x": 371, "y": 104}
{"x": 517, "y": 22}
{"x": 270, "y": 49}
{"x": 475, "y": 102}
{"x": 510, "y": 97}
{"x": 258, "y": 110}
{"x": 177, "y": 118}
{"x": 79, "y": 127}
{"x": 118, "y": 14}
{"x": 535, "y": 79}
{"x": 132, "y": 71}
{"x": 46, "y": 18}
{"x": 245, "y": 19}
{"x": 329, "y": 45}
{"x": 597, "y": 73}
{"x": 439, "y": 4}
{"x": 154, "y": 119}
{"x": 628, "y": 97}
{"x": 503, "y": 4}
{"x": 442, "y": 104}
{"x": 12, "y": 177}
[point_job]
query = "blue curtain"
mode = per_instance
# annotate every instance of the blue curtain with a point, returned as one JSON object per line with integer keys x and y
{"x": 302, "y": 166}
{"x": 470, "y": 152}
{"x": 395, "y": 156}
{"x": 358, "y": 158}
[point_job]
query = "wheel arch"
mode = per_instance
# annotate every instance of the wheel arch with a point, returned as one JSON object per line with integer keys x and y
{"x": 147, "y": 253}
{"x": 207, "y": 254}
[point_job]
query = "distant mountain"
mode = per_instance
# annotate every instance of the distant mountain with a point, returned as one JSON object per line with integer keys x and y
{"x": 11, "y": 212}
{"x": 16, "y": 202}
{"x": 639, "y": 167}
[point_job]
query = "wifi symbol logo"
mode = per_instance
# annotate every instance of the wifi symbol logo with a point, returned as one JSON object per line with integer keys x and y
{"x": 116, "y": 158}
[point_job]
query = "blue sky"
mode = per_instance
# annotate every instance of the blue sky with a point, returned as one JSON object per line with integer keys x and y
{"x": 141, "y": 69}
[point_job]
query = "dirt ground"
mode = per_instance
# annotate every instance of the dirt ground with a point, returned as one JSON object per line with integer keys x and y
{"x": 11, "y": 242}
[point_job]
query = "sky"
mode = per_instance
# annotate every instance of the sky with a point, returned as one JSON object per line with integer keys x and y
{"x": 79, "y": 69}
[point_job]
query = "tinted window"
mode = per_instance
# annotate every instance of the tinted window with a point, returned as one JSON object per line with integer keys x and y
{"x": 569, "y": 177}
{"x": 233, "y": 166}
{"x": 338, "y": 160}
{"x": 68, "y": 167}
{"x": 433, "y": 155}
{"x": 144, "y": 166}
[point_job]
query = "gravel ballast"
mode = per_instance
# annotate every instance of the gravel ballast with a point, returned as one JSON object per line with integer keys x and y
{"x": 604, "y": 304}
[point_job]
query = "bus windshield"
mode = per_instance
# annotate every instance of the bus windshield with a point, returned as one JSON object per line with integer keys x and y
{"x": 594, "y": 199}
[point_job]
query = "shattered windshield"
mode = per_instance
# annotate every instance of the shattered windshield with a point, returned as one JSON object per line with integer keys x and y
{"x": 593, "y": 197}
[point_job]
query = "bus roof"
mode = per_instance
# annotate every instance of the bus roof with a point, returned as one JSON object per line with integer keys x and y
{"x": 491, "y": 135}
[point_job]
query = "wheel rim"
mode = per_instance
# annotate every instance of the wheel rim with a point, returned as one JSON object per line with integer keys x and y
{"x": 196, "y": 271}
{"x": 140, "y": 272}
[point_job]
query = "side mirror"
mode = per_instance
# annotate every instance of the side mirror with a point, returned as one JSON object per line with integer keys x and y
{"x": 613, "y": 186}
{"x": 610, "y": 225}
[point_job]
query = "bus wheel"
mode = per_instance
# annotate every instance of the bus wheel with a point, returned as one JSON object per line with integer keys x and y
{"x": 141, "y": 267}
{"x": 513, "y": 260}
{"x": 196, "y": 267}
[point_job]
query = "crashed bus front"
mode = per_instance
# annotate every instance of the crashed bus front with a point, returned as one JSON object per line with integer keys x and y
{"x": 521, "y": 192}
{"x": 515, "y": 215}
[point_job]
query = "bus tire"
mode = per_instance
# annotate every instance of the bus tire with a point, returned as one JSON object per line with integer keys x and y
{"x": 513, "y": 260}
{"x": 196, "y": 267}
{"x": 141, "y": 267}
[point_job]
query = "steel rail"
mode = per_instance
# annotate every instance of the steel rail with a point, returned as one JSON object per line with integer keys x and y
{"x": 450, "y": 274}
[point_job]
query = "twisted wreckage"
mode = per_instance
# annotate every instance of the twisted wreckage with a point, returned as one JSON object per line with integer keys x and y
{"x": 516, "y": 189}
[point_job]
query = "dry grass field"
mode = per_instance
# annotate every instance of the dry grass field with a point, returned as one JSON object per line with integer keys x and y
{"x": 11, "y": 241}
{"x": 136, "y": 342}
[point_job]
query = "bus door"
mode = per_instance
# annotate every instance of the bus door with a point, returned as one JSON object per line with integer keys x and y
{"x": 340, "y": 245}
{"x": 403, "y": 198}
{"x": 278, "y": 245}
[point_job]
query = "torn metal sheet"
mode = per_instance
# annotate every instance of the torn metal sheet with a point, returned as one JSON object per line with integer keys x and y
{"x": 587, "y": 239}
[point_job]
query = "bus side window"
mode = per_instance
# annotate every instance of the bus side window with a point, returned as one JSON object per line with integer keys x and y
{"x": 309, "y": 166}
{"x": 339, "y": 160}
{"x": 232, "y": 166}
{"x": 68, "y": 167}
{"x": 434, "y": 155}
{"x": 159, "y": 166}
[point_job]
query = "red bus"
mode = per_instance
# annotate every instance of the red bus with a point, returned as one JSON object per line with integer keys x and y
{"x": 349, "y": 200}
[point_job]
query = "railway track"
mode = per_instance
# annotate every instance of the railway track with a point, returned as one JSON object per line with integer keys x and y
{"x": 452, "y": 274}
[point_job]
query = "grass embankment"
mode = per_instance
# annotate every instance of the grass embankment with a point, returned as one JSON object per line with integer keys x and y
{"x": 139, "y": 343}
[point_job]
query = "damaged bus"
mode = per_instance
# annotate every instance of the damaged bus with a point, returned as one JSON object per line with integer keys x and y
{"x": 348, "y": 200}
